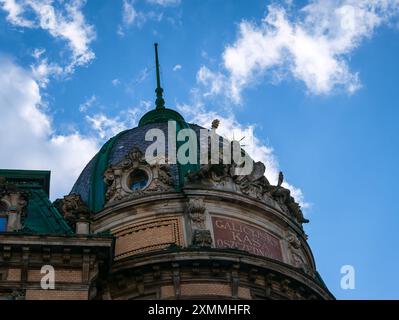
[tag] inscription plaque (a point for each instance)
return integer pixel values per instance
(234, 234)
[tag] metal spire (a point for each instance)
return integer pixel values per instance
(160, 102)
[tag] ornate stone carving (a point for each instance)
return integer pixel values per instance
(202, 238)
(117, 178)
(216, 174)
(215, 124)
(222, 176)
(14, 203)
(196, 212)
(73, 209)
(286, 201)
(195, 209)
(254, 185)
(298, 259)
(293, 240)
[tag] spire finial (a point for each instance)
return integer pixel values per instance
(160, 102)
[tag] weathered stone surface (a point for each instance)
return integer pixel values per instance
(117, 177)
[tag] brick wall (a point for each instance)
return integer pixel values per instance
(61, 276)
(204, 289)
(146, 237)
(14, 275)
(216, 289)
(56, 295)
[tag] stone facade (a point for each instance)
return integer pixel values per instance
(137, 230)
(218, 237)
(77, 263)
(192, 265)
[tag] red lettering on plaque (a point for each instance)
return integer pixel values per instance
(234, 234)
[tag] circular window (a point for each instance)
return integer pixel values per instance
(138, 180)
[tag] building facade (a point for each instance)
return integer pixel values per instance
(138, 229)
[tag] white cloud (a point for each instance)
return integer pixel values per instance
(145, 105)
(313, 46)
(213, 82)
(116, 82)
(42, 70)
(106, 127)
(230, 128)
(88, 103)
(131, 16)
(177, 67)
(63, 21)
(165, 3)
(29, 140)
(129, 13)
(138, 79)
(15, 11)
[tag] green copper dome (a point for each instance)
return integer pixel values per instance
(90, 184)
(161, 115)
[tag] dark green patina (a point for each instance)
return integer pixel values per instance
(97, 185)
(160, 114)
(41, 216)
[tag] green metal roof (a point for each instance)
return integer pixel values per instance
(161, 115)
(27, 179)
(97, 184)
(41, 216)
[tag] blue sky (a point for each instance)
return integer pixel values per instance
(312, 85)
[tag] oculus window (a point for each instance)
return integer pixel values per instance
(138, 180)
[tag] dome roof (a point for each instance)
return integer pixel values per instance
(90, 184)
